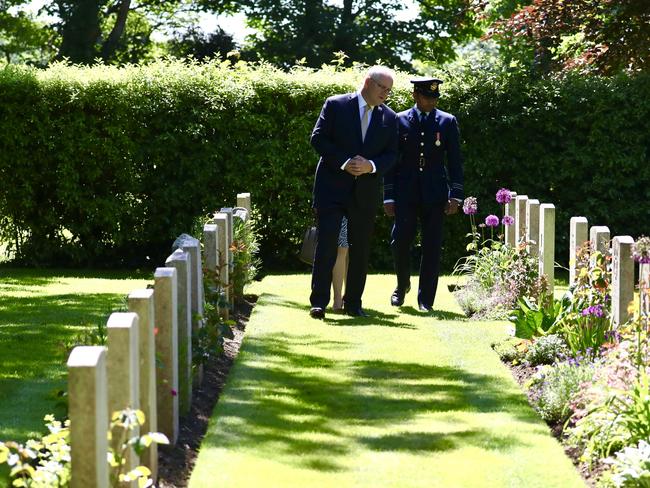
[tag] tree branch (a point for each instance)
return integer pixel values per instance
(110, 45)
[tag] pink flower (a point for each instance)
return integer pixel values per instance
(503, 196)
(508, 220)
(491, 220)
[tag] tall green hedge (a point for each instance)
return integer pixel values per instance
(106, 166)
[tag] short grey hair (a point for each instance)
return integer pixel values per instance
(380, 71)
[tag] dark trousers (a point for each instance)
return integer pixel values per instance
(431, 218)
(361, 222)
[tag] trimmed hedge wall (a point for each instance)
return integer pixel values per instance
(103, 166)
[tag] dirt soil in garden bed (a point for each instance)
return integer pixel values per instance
(175, 463)
(522, 373)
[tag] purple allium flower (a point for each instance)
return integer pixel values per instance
(491, 220)
(503, 196)
(508, 220)
(641, 250)
(470, 205)
(594, 310)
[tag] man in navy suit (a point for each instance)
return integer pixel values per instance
(356, 138)
(426, 184)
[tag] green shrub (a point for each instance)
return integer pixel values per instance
(510, 350)
(558, 387)
(631, 466)
(546, 350)
(245, 261)
(532, 319)
(105, 166)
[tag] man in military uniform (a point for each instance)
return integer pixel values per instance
(426, 184)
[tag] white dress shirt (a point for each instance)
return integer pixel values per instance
(362, 106)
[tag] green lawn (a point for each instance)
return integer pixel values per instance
(40, 310)
(396, 400)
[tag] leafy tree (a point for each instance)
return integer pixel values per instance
(22, 39)
(312, 30)
(200, 45)
(93, 29)
(602, 35)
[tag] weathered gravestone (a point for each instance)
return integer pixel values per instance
(532, 227)
(182, 261)
(123, 369)
(579, 234)
(88, 413)
(622, 279)
(547, 243)
(141, 302)
(166, 313)
(520, 218)
(511, 231)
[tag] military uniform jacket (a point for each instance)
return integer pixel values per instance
(430, 167)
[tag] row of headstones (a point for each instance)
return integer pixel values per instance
(534, 225)
(621, 252)
(147, 363)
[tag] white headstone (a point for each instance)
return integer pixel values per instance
(511, 231)
(123, 368)
(532, 226)
(141, 302)
(644, 289)
(547, 243)
(579, 234)
(244, 201)
(520, 217)
(622, 279)
(182, 261)
(88, 413)
(221, 221)
(166, 313)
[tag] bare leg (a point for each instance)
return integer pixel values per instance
(338, 276)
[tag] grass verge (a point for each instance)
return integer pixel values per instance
(396, 400)
(40, 311)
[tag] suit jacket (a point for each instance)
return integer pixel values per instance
(426, 173)
(337, 137)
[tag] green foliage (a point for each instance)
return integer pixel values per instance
(366, 32)
(123, 426)
(511, 350)
(631, 466)
(245, 250)
(101, 159)
(208, 342)
(534, 319)
(584, 322)
(498, 276)
(40, 463)
(622, 420)
(546, 350)
(559, 385)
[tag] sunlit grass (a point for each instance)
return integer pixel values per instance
(40, 311)
(399, 399)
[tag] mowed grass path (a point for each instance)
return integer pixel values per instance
(396, 400)
(39, 311)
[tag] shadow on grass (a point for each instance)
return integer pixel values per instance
(341, 319)
(33, 329)
(306, 407)
(435, 314)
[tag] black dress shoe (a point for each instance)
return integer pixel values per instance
(356, 312)
(317, 313)
(397, 298)
(425, 308)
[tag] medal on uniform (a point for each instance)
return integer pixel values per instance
(438, 139)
